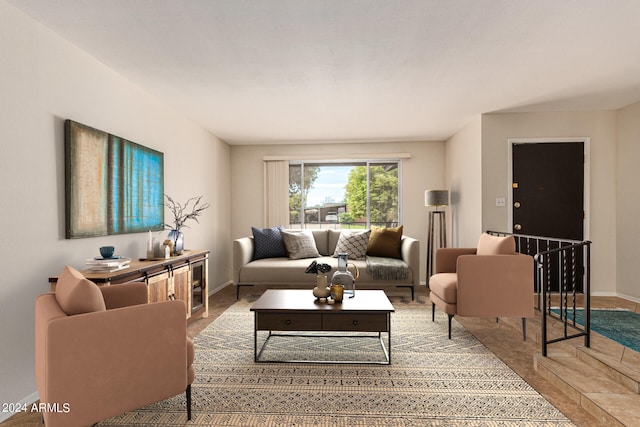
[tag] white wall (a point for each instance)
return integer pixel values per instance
(43, 81)
(600, 127)
(464, 181)
(425, 169)
(628, 202)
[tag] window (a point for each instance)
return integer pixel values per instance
(344, 195)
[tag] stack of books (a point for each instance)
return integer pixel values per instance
(108, 265)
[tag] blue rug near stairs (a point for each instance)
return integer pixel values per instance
(622, 326)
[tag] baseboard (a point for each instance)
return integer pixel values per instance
(220, 287)
(628, 297)
(604, 294)
(615, 294)
(25, 402)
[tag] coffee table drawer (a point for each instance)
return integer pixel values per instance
(288, 322)
(355, 322)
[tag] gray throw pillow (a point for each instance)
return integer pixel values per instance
(300, 244)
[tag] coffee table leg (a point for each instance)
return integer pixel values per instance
(255, 336)
(389, 335)
(256, 353)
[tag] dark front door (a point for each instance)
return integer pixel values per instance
(548, 201)
(548, 189)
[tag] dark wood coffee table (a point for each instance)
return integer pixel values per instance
(297, 310)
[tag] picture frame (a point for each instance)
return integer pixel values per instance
(112, 185)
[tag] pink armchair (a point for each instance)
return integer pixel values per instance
(103, 351)
(491, 280)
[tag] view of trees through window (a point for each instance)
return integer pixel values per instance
(343, 195)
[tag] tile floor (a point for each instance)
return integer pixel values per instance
(503, 339)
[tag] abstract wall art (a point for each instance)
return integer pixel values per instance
(112, 185)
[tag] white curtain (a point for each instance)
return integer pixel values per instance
(276, 193)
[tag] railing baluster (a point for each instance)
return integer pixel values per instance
(547, 289)
(559, 258)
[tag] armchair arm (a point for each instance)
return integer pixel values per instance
(106, 363)
(446, 258)
(495, 285)
(410, 250)
(242, 254)
(124, 295)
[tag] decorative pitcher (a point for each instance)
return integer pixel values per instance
(344, 277)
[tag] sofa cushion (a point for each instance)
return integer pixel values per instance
(333, 235)
(76, 295)
(495, 245)
(320, 237)
(268, 243)
(300, 244)
(282, 271)
(445, 286)
(385, 242)
(354, 244)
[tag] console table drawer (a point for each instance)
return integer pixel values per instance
(355, 322)
(288, 322)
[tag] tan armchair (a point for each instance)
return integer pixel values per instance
(103, 351)
(491, 280)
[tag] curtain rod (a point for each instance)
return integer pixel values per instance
(336, 156)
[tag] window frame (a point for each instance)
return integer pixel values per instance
(350, 162)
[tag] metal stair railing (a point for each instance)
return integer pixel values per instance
(562, 281)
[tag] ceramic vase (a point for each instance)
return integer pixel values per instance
(178, 241)
(321, 290)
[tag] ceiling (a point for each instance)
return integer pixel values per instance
(304, 71)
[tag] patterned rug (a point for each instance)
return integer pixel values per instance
(622, 326)
(432, 381)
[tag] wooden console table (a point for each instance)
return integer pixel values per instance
(182, 277)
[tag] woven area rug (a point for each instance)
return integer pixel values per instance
(432, 381)
(622, 326)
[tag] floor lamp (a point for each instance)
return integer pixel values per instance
(436, 237)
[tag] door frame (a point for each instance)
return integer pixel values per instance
(587, 176)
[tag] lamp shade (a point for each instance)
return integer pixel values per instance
(436, 198)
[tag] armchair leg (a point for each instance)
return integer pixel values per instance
(188, 395)
(433, 317)
(524, 329)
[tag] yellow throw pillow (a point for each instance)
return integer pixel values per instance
(385, 242)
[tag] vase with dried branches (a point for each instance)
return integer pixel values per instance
(182, 213)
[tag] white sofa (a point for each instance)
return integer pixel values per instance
(291, 272)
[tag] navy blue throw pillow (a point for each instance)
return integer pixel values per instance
(268, 243)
